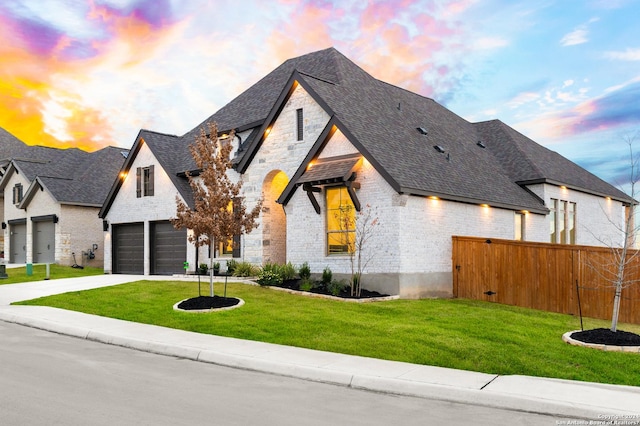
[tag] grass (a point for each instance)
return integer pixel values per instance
(458, 333)
(19, 275)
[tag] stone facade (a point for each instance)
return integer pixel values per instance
(128, 208)
(77, 228)
(410, 250)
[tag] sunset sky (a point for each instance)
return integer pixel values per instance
(91, 73)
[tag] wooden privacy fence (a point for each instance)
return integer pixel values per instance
(544, 276)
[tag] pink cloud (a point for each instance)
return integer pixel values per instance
(406, 49)
(615, 109)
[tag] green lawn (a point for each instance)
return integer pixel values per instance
(462, 334)
(19, 275)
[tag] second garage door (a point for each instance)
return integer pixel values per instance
(44, 237)
(168, 248)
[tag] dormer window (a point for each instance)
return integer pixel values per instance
(17, 193)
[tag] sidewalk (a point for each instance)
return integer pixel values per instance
(575, 400)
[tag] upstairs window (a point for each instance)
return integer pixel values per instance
(144, 181)
(299, 124)
(341, 221)
(17, 193)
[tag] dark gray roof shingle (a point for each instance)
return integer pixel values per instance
(71, 176)
(382, 120)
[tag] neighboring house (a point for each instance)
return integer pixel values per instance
(318, 138)
(51, 199)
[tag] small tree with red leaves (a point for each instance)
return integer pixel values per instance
(219, 212)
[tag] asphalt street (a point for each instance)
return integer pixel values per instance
(50, 379)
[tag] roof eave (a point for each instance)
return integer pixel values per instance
(133, 152)
(626, 199)
(469, 200)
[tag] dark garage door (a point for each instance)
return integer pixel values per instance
(168, 248)
(128, 248)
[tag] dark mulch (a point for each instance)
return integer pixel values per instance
(208, 302)
(604, 336)
(319, 288)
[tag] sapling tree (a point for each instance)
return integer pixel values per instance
(219, 212)
(620, 269)
(364, 224)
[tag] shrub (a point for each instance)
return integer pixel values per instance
(335, 287)
(231, 266)
(269, 278)
(245, 269)
(288, 271)
(305, 271)
(327, 276)
(271, 267)
(203, 269)
(306, 284)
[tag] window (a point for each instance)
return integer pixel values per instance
(563, 222)
(571, 222)
(300, 124)
(230, 247)
(341, 218)
(519, 226)
(144, 181)
(552, 220)
(17, 193)
(226, 248)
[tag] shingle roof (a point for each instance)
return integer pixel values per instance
(526, 161)
(10, 146)
(173, 154)
(71, 176)
(381, 120)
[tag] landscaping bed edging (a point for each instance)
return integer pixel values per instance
(567, 338)
(201, 311)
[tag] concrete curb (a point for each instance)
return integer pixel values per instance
(368, 374)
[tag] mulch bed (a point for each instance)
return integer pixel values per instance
(208, 302)
(604, 336)
(318, 288)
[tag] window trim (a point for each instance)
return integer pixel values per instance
(145, 181)
(346, 235)
(18, 193)
(563, 213)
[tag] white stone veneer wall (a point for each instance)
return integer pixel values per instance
(280, 151)
(127, 208)
(598, 220)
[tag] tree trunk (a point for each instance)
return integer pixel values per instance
(616, 306)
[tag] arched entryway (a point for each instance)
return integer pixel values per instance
(274, 221)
